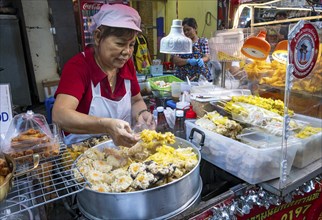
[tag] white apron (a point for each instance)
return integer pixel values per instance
(105, 108)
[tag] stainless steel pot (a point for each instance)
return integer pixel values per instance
(157, 203)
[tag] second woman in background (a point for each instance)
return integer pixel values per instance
(195, 64)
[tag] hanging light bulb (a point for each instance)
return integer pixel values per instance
(176, 42)
(280, 53)
(256, 47)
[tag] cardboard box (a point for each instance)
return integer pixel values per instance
(50, 87)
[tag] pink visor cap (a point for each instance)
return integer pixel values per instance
(116, 15)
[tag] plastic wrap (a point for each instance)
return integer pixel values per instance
(29, 133)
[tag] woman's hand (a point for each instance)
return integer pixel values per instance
(121, 133)
(146, 118)
(192, 61)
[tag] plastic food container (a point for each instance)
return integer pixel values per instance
(253, 165)
(30, 134)
(166, 79)
(309, 149)
(259, 139)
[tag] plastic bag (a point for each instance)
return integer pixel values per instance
(30, 133)
(260, 117)
(170, 116)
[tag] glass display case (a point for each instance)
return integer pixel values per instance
(295, 84)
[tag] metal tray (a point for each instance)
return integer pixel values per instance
(218, 95)
(47, 183)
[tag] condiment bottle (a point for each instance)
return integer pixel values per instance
(162, 124)
(190, 114)
(179, 129)
(182, 106)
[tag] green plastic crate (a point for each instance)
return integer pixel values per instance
(168, 79)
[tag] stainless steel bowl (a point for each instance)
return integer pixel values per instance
(156, 203)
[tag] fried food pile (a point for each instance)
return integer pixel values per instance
(269, 104)
(274, 74)
(4, 170)
(308, 131)
(33, 141)
(149, 163)
(75, 150)
(215, 122)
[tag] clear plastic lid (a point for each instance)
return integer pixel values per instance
(28, 121)
(179, 113)
(160, 108)
(29, 133)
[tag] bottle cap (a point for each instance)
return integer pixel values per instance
(179, 113)
(160, 109)
(182, 105)
(190, 113)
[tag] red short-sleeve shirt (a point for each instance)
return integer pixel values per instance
(80, 71)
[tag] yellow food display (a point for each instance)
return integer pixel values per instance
(307, 132)
(266, 73)
(276, 106)
(222, 56)
(273, 74)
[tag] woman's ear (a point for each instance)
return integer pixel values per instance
(97, 37)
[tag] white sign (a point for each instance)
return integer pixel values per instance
(5, 108)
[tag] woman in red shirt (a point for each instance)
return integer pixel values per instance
(98, 91)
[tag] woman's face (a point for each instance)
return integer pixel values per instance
(114, 52)
(189, 31)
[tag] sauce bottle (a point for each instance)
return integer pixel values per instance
(179, 129)
(162, 124)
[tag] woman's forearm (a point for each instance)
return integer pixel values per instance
(74, 122)
(178, 61)
(138, 105)
(65, 115)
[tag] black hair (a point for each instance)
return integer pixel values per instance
(191, 22)
(107, 31)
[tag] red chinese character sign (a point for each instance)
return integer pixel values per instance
(304, 49)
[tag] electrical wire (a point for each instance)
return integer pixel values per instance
(208, 17)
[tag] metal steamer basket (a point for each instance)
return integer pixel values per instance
(161, 202)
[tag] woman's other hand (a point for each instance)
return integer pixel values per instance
(147, 119)
(121, 133)
(192, 61)
(201, 62)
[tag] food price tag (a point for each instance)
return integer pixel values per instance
(5, 109)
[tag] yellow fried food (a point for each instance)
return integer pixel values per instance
(266, 103)
(226, 57)
(307, 132)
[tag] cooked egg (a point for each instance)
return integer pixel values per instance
(122, 183)
(94, 154)
(101, 187)
(136, 168)
(84, 161)
(178, 173)
(143, 180)
(102, 166)
(95, 176)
